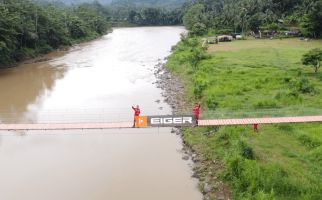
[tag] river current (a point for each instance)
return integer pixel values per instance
(96, 81)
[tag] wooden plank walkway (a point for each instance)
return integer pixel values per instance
(116, 125)
(265, 120)
(66, 126)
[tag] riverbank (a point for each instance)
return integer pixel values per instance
(175, 94)
(46, 28)
(53, 53)
(95, 82)
(281, 161)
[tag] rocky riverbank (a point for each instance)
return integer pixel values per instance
(205, 171)
(173, 89)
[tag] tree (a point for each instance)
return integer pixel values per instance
(193, 16)
(28, 28)
(313, 58)
(198, 28)
(311, 22)
(77, 27)
(245, 15)
(196, 52)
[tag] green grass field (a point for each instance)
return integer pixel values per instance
(250, 78)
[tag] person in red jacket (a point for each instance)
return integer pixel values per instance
(137, 112)
(196, 111)
(255, 127)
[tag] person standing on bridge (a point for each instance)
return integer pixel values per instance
(255, 127)
(137, 112)
(196, 111)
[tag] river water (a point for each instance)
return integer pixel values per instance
(96, 81)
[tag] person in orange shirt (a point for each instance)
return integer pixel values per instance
(137, 112)
(196, 112)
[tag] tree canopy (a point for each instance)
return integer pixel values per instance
(244, 15)
(27, 28)
(143, 15)
(313, 58)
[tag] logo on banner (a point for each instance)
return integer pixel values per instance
(171, 121)
(141, 121)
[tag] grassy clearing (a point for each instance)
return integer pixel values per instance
(255, 43)
(267, 77)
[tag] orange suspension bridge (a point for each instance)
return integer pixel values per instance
(159, 121)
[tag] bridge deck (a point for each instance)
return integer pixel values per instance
(65, 126)
(110, 125)
(266, 120)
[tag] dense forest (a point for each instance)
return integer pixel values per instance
(146, 12)
(150, 3)
(244, 15)
(135, 12)
(143, 16)
(120, 2)
(28, 29)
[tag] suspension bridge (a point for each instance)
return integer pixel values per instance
(159, 121)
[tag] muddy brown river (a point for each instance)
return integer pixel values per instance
(93, 82)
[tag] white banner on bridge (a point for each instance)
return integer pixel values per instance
(171, 120)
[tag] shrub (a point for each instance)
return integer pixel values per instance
(227, 135)
(285, 127)
(198, 29)
(266, 104)
(313, 58)
(316, 155)
(211, 102)
(261, 195)
(250, 178)
(19, 55)
(279, 95)
(245, 150)
(302, 85)
(235, 165)
(309, 142)
(45, 48)
(200, 83)
(305, 86)
(287, 79)
(288, 97)
(293, 93)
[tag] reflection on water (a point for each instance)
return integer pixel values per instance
(96, 81)
(25, 86)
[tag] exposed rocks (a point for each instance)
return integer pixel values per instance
(185, 157)
(173, 90)
(206, 188)
(204, 170)
(220, 196)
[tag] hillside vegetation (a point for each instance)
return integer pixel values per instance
(32, 27)
(28, 29)
(119, 2)
(243, 16)
(150, 3)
